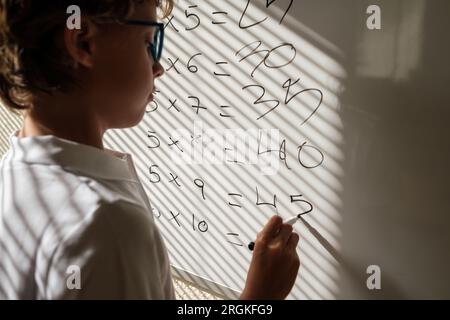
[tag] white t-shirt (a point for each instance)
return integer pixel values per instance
(75, 223)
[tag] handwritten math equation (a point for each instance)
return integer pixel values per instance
(233, 199)
(256, 53)
(232, 153)
(263, 58)
(218, 17)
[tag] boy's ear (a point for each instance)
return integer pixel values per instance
(81, 43)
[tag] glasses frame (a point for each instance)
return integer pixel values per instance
(156, 52)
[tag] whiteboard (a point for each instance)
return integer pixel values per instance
(287, 107)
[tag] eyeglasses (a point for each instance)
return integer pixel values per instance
(156, 46)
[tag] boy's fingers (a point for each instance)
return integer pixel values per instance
(272, 227)
(293, 241)
(285, 233)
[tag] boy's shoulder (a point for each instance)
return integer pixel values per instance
(54, 201)
(57, 171)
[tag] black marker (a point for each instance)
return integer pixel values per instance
(290, 221)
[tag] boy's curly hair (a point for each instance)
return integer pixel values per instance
(31, 58)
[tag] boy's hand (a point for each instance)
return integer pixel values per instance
(275, 262)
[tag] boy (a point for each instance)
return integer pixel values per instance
(69, 205)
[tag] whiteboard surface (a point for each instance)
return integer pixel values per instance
(363, 133)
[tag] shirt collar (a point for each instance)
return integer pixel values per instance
(72, 156)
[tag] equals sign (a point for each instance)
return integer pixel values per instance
(219, 12)
(225, 115)
(222, 74)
